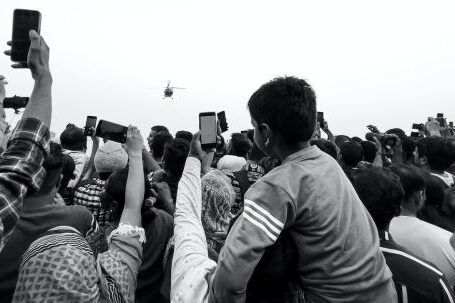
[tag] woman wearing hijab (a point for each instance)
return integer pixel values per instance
(60, 267)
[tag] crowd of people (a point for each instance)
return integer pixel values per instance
(273, 214)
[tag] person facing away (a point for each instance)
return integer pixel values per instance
(309, 197)
(423, 239)
(74, 144)
(39, 215)
(158, 227)
(381, 191)
(432, 154)
(60, 267)
(109, 158)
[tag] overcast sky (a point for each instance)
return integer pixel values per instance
(389, 63)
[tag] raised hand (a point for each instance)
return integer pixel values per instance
(134, 141)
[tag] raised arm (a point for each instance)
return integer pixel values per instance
(134, 194)
(21, 164)
(40, 103)
(118, 267)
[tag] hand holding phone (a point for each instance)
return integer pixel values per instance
(111, 131)
(90, 126)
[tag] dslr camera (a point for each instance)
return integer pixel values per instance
(385, 139)
(15, 103)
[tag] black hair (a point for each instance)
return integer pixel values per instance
(326, 146)
(67, 170)
(160, 128)
(437, 152)
(240, 145)
(357, 139)
(435, 191)
(351, 153)
(396, 131)
(53, 166)
(113, 197)
(340, 139)
(408, 146)
(73, 138)
(185, 135)
(381, 193)
(174, 156)
(411, 178)
(288, 106)
(369, 151)
(158, 143)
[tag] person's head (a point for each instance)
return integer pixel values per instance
(369, 151)
(218, 196)
(185, 135)
(432, 153)
(113, 197)
(340, 139)
(53, 166)
(109, 158)
(71, 263)
(73, 138)
(67, 170)
(326, 146)
(174, 157)
(351, 153)
(283, 113)
(357, 139)
(239, 145)
(159, 140)
(396, 131)
(413, 182)
(381, 193)
(155, 130)
(435, 191)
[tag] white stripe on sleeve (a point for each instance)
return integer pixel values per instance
(446, 290)
(272, 219)
(260, 225)
(270, 226)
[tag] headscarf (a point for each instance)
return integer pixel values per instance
(217, 197)
(59, 266)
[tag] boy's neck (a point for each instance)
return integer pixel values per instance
(285, 150)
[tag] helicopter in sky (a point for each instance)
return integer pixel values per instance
(169, 90)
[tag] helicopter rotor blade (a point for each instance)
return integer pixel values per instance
(173, 87)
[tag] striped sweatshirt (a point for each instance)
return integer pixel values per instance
(339, 259)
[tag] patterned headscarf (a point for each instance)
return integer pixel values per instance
(58, 267)
(217, 198)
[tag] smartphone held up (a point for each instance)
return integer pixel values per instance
(90, 125)
(111, 131)
(23, 22)
(208, 128)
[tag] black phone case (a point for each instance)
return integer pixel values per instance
(23, 22)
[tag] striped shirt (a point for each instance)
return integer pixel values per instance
(336, 240)
(416, 280)
(21, 171)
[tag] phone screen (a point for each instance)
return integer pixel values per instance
(23, 22)
(111, 131)
(91, 122)
(207, 125)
